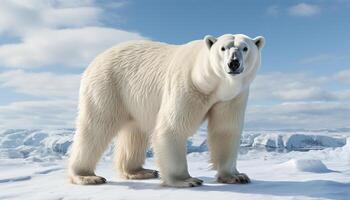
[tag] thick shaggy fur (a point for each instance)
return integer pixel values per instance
(144, 92)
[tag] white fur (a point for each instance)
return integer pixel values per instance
(143, 91)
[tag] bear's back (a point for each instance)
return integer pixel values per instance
(137, 72)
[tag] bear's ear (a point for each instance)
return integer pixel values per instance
(209, 40)
(259, 42)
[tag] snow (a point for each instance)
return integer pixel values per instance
(282, 165)
(306, 165)
(292, 141)
(345, 151)
(35, 144)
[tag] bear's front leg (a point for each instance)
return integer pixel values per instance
(225, 124)
(179, 116)
(170, 152)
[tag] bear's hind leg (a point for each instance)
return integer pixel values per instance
(90, 141)
(130, 153)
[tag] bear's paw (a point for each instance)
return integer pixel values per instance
(240, 178)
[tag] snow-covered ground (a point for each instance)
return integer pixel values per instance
(281, 164)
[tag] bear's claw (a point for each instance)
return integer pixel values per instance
(87, 180)
(143, 174)
(189, 182)
(234, 179)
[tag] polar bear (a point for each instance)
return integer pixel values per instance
(145, 92)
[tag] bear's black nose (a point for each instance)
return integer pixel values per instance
(234, 65)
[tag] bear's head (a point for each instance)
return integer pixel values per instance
(234, 55)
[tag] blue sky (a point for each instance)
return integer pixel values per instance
(304, 81)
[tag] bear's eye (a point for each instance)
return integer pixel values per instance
(222, 48)
(245, 49)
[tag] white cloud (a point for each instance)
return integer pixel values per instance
(20, 17)
(38, 114)
(61, 33)
(71, 3)
(71, 17)
(304, 9)
(300, 87)
(314, 115)
(343, 95)
(44, 84)
(55, 32)
(290, 87)
(68, 47)
(299, 100)
(310, 92)
(343, 76)
(59, 108)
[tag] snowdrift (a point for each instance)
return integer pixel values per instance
(297, 142)
(305, 165)
(35, 144)
(38, 145)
